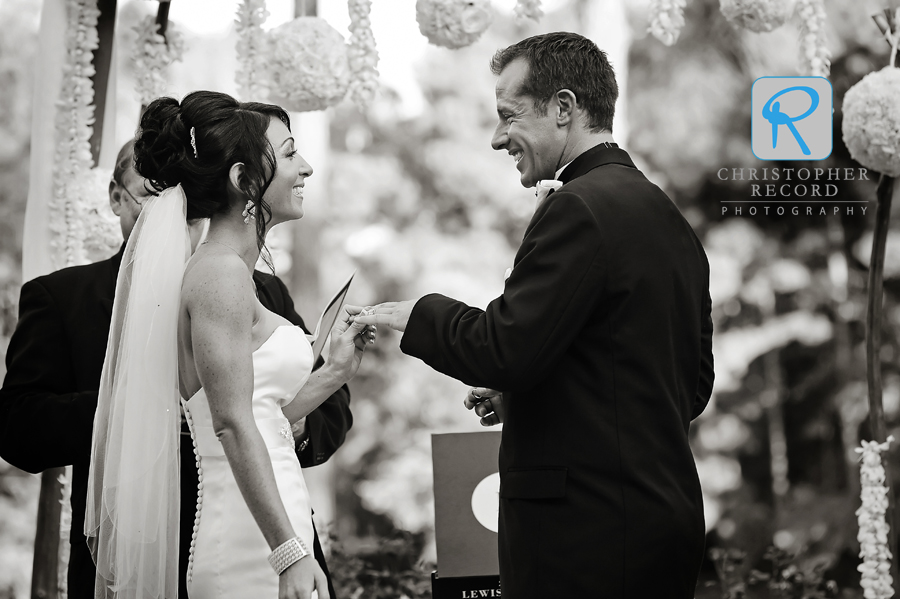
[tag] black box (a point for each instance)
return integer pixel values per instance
(465, 587)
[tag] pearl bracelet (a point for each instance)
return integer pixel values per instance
(287, 554)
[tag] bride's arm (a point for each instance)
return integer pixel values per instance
(344, 356)
(220, 305)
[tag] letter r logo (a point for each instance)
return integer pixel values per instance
(791, 118)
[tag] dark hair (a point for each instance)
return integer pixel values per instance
(225, 131)
(565, 60)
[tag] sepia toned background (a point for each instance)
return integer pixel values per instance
(410, 194)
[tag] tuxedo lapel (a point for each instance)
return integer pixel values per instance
(597, 156)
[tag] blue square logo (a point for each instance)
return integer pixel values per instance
(792, 118)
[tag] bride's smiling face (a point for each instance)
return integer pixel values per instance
(285, 193)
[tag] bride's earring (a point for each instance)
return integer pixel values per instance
(249, 212)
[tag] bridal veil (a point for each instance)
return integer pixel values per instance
(131, 519)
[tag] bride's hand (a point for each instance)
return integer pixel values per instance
(301, 578)
(348, 340)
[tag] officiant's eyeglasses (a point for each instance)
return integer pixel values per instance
(132, 196)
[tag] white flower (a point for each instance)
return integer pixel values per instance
(528, 9)
(666, 20)
(251, 41)
(871, 126)
(875, 568)
(151, 54)
(363, 54)
(308, 64)
(453, 23)
(74, 116)
(757, 15)
(815, 57)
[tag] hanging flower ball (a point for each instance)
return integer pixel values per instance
(528, 9)
(666, 20)
(871, 127)
(308, 65)
(757, 15)
(453, 23)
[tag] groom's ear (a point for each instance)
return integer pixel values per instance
(565, 107)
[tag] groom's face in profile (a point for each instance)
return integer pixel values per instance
(533, 139)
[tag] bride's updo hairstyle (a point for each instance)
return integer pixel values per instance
(225, 132)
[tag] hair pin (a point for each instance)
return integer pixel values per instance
(194, 141)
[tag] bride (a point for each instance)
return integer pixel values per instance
(193, 326)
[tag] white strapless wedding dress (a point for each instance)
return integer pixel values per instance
(228, 551)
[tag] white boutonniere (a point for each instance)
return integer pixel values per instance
(544, 188)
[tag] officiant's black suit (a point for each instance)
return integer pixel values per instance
(49, 395)
(601, 343)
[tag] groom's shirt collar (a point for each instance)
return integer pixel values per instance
(604, 153)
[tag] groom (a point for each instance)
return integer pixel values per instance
(601, 345)
(55, 357)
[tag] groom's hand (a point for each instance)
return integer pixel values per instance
(487, 403)
(392, 314)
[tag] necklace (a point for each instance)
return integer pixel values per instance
(220, 243)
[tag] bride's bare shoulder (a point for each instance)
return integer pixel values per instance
(216, 280)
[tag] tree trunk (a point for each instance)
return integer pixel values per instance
(45, 575)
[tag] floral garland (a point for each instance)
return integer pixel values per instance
(666, 20)
(309, 66)
(528, 9)
(876, 581)
(74, 119)
(251, 39)
(757, 15)
(453, 23)
(152, 53)
(363, 54)
(815, 57)
(871, 125)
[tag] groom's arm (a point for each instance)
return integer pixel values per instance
(557, 280)
(707, 373)
(327, 425)
(43, 424)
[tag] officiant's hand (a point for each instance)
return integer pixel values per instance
(392, 314)
(487, 403)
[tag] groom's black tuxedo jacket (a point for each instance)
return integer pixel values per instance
(49, 395)
(602, 345)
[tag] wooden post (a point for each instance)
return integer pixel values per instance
(106, 29)
(45, 575)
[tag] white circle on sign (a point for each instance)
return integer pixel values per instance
(486, 502)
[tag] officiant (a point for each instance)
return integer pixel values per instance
(54, 360)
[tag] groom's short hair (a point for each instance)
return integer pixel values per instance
(564, 60)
